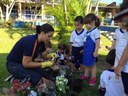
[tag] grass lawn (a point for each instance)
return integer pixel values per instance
(9, 37)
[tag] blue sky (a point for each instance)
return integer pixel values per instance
(110, 1)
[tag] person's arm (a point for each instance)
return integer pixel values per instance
(114, 42)
(28, 63)
(114, 38)
(122, 61)
(113, 45)
(71, 38)
(71, 42)
(45, 53)
(97, 47)
(96, 35)
(70, 50)
(124, 57)
(102, 89)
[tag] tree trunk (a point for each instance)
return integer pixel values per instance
(19, 11)
(90, 9)
(7, 15)
(1, 14)
(88, 6)
(96, 10)
(65, 12)
(42, 12)
(9, 10)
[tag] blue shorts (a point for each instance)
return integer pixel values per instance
(76, 54)
(77, 60)
(125, 81)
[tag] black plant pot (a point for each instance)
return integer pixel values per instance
(51, 75)
(76, 85)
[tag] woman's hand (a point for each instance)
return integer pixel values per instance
(48, 50)
(46, 64)
(95, 54)
(38, 59)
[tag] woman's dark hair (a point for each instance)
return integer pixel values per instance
(90, 18)
(38, 29)
(79, 19)
(45, 28)
(110, 58)
(48, 44)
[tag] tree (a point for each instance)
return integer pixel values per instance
(65, 13)
(97, 4)
(35, 7)
(88, 9)
(8, 5)
(1, 13)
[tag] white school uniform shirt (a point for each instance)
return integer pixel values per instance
(93, 33)
(121, 37)
(77, 39)
(61, 56)
(113, 86)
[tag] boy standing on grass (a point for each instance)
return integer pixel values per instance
(77, 42)
(109, 85)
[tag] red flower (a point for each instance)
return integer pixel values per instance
(20, 86)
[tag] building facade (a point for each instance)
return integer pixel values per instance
(29, 10)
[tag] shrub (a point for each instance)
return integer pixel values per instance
(7, 24)
(27, 25)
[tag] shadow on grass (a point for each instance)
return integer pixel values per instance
(102, 64)
(3, 71)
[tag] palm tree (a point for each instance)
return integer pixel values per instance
(65, 14)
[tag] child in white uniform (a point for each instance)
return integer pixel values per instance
(120, 42)
(120, 38)
(62, 54)
(109, 85)
(91, 47)
(122, 17)
(77, 41)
